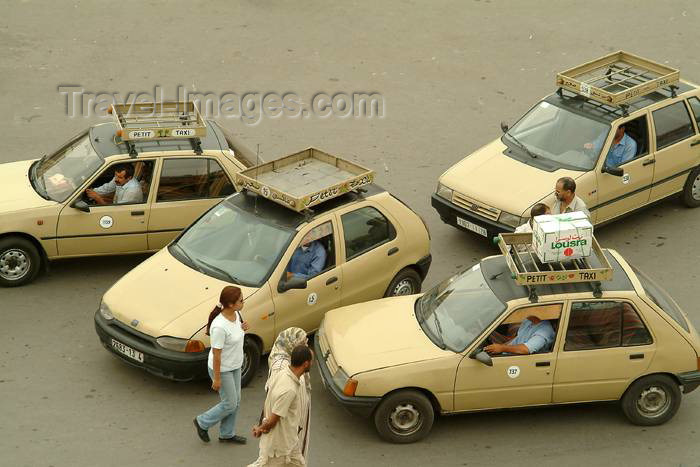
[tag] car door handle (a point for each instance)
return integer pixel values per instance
(636, 356)
(695, 143)
(393, 250)
(648, 162)
(331, 280)
(542, 364)
(138, 213)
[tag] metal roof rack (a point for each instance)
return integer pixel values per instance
(618, 78)
(528, 271)
(152, 121)
(304, 179)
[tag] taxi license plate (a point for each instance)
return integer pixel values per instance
(472, 226)
(128, 351)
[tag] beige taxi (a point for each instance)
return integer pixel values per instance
(45, 213)
(572, 133)
(618, 337)
(155, 316)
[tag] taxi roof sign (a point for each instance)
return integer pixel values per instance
(148, 121)
(617, 78)
(304, 179)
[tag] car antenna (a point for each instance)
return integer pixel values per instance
(257, 167)
(495, 276)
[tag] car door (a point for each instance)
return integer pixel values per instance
(618, 195)
(112, 228)
(369, 247)
(305, 308)
(676, 148)
(607, 345)
(187, 187)
(513, 380)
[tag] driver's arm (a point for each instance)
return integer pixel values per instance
(519, 349)
(106, 188)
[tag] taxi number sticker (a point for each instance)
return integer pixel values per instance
(312, 299)
(106, 222)
(513, 371)
(625, 179)
(586, 89)
(265, 191)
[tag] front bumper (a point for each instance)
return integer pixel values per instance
(177, 366)
(689, 380)
(363, 406)
(449, 213)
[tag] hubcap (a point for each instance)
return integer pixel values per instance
(405, 420)
(653, 401)
(696, 188)
(14, 264)
(405, 287)
(245, 368)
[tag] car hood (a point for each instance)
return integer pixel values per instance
(163, 297)
(16, 192)
(490, 177)
(378, 334)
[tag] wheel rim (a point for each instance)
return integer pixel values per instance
(405, 420)
(404, 287)
(653, 401)
(696, 188)
(14, 264)
(245, 368)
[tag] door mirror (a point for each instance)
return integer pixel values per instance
(293, 283)
(482, 357)
(81, 205)
(616, 171)
(504, 127)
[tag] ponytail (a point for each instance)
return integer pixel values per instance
(229, 296)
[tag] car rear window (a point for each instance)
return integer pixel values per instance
(662, 299)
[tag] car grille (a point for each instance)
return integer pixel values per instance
(472, 205)
(325, 350)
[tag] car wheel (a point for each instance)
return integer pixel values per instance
(251, 360)
(404, 417)
(406, 282)
(20, 261)
(691, 190)
(652, 400)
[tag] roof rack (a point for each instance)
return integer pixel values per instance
(528, 271)
(304, 179)
(152, 121)
(618, 78)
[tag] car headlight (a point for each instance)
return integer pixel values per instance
(509, 219)
(105, 312)
(344, 382)
(444, 192)
(180, 345)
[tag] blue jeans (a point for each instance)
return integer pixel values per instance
(226, 410)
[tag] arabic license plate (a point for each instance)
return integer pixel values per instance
(472, 226)
(128, 351)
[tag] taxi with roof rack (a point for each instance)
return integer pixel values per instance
(178, 165)
(604, 332)
(576, 132)
(370, 245)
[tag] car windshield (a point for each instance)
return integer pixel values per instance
(562, 137)
(456, 311)
(57, 176)
(233, 245)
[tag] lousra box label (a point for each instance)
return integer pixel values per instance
(562, 237)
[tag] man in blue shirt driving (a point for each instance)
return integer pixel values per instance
(622, 149)
(534, 336)
(307, 261)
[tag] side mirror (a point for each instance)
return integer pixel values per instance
(293, 283)
(81, 205)
(482, 357)
(504, 127)
(616, 171)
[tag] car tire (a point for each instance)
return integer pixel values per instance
(251, 360)
(406, 282)
(404, 417)
(652, 400)
(691, 189)
(20, 261)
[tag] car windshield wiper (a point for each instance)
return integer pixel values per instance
(439, 329)
(34, 181)
(521, 145)
(231, 277)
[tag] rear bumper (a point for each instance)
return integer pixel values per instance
(689, 380)
(449, 213)
(363, 406)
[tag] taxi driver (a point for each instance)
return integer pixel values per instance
(125, 187)
(534, 336)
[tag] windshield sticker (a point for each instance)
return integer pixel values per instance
(625, 178)
(312, 299)
(544, 105)
(513, 371)
(106, 222)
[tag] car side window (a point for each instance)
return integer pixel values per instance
(695, 105)
(638, 130)
(131, 187)
(509, 332)
(364, 229)
(315, 253)
(604, 324)
(192, 178)
(672, 124)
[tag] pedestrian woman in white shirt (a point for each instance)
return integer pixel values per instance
(226, 328)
